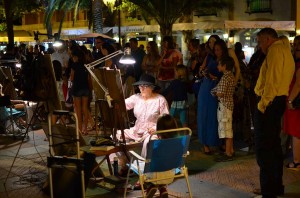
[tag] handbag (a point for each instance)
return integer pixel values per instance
(296, 102)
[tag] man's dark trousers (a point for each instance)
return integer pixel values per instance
(269, 157)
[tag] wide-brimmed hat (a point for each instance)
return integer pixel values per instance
(146, 79)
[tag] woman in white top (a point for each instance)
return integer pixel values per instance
(147, 107)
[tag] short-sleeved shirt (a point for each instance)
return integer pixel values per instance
(146, 112)
(226, 86)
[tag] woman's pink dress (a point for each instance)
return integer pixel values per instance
(146, 112)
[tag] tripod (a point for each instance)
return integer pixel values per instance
(25, 136)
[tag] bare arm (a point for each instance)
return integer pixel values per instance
(236, 64)
(295, 90)
(144, 63)
(72, 75)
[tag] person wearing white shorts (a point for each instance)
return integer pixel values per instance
(224, 91)
(224, 122)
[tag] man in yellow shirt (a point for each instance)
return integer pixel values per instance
(272, 88)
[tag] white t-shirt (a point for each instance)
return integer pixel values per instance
(62, 57)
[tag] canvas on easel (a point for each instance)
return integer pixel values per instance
(53, 101)
(111, 79)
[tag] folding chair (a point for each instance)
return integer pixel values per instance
(10, 117)
(165, 154)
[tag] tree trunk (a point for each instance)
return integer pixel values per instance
(49, 29)
(187, 34)
(9, 21)
(97, 16)
(61, 23)
(166, 29)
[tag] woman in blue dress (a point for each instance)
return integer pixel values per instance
(207, 104)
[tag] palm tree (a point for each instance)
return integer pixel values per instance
(97, 16)
(9, 20)
(62, 6)
(94, 7)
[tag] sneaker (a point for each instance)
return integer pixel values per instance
(163, 192)
(150, 192)
(224, 158)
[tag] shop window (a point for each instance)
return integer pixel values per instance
(259, 6)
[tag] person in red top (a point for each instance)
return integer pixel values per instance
(291, 115)
(169, 60)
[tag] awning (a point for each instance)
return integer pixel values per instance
(176, 27)
(18, 33)
(128, 29)
(277, 25)
(209, 25)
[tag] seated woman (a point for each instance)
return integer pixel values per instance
(147, 106)
(17, 111)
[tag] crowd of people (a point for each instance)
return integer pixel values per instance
(231, 95)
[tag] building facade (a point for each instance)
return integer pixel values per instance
(252, 14)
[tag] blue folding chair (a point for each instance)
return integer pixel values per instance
(164, 155)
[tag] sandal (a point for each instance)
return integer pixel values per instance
(163, 192)
(293, 166)
(151, 190)
(137, 186)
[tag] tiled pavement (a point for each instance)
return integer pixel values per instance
(235, 179)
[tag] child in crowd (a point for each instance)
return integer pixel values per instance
(178, 92)
(224, 91)
(164, 122)
(129, 79)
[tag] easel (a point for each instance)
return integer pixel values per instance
(117, 115)
(110, 101)
(51, 104)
